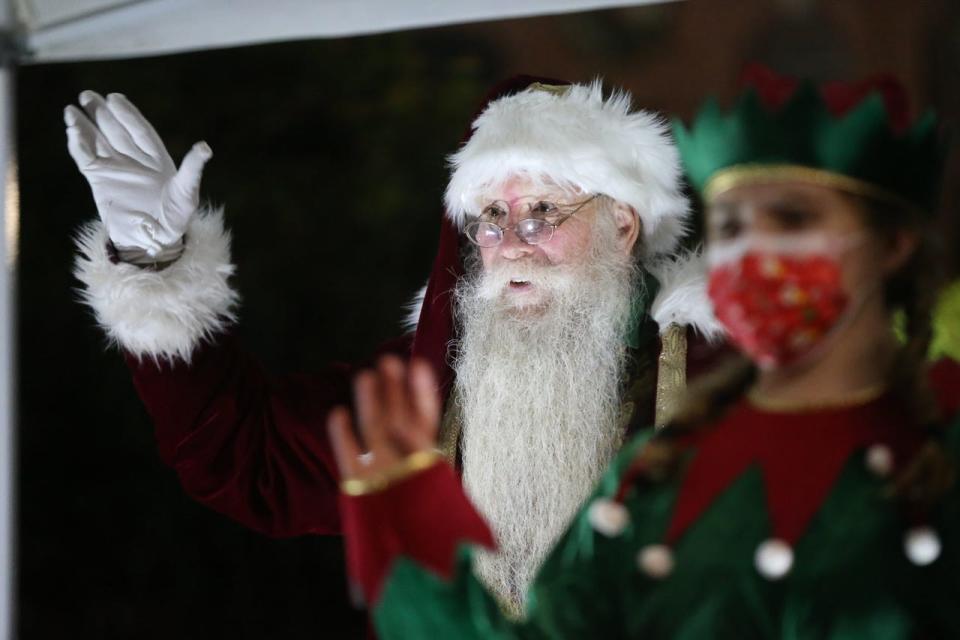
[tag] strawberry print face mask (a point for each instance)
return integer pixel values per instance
(778, 298)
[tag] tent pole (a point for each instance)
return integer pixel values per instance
(9, 219)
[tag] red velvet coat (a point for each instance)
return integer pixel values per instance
(244, 443)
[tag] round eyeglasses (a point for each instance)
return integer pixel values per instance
(540, 221)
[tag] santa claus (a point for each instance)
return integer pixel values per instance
(556, 316)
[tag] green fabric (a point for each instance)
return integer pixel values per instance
(641, 328)
(850, 581)
(860, 144)
(414, 603)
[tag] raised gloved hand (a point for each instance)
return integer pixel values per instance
(144, 201)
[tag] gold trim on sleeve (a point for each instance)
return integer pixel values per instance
(414, 463)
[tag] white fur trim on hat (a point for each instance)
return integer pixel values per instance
(161, 314)
(573, 136)
(682, 298)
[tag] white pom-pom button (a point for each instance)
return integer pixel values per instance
(773, 559)
(922, 545)
(608, 517)
(880, 460)
(656, 560)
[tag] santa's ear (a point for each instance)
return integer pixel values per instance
(628, 226)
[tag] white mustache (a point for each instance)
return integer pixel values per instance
(547, 278)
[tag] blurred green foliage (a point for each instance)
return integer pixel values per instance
(946, 324)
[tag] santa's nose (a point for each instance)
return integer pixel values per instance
(513, 248)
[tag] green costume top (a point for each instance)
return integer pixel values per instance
(695, 558)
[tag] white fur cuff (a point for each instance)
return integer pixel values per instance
(161, 314)
(682, 298)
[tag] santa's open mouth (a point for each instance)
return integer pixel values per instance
(520, 285)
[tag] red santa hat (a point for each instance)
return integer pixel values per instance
(573, 135)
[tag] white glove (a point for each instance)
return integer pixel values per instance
(143, 200)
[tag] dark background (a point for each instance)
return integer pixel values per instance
(329, 156)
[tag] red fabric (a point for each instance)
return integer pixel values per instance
(435, 329)
(945, 381)
(774, 89)
(424, 517)
(840, 97)
(251, 446)
(800, 456)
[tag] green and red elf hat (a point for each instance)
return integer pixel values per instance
(855, 137)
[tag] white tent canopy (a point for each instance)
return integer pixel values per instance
(38, 31)
(70, 30)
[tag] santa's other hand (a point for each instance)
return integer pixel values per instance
(143, 199)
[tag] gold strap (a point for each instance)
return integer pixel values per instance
(671, 373)
(415, 462)
(451, 427)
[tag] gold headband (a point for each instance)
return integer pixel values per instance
(740, 174)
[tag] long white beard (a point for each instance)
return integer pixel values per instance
(541, 397)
